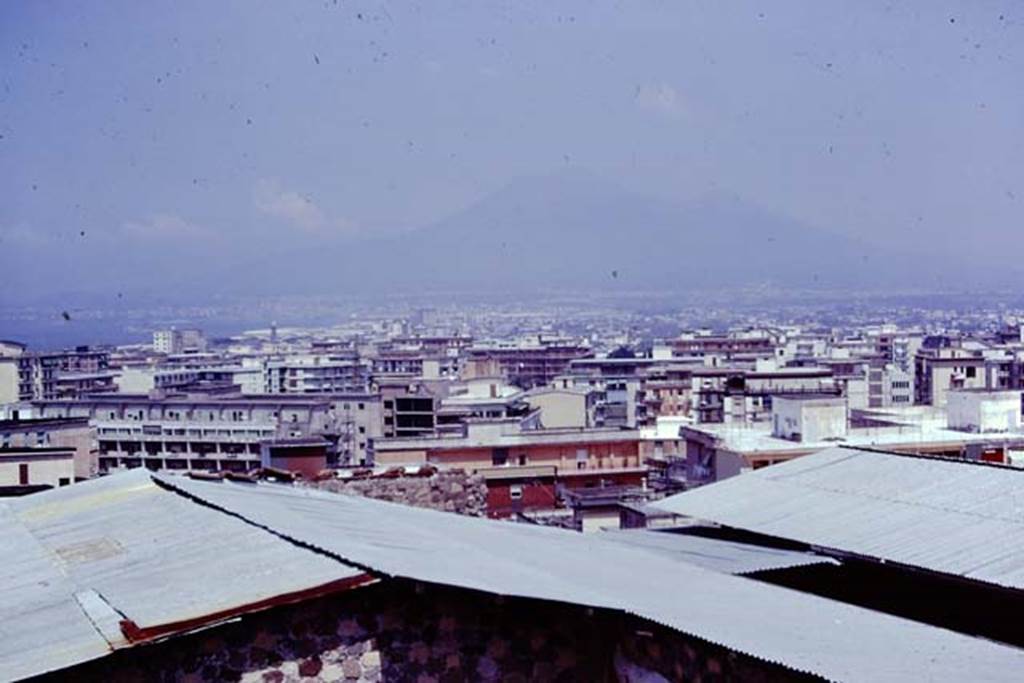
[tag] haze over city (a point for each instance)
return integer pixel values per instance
(185, 150)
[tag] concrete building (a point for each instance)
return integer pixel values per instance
(316, 374)
(175, 379)
(715, 452)
(938, 370)
(9, 381)
(751, 344)
(174, 341)
(527, 363)
(483, 398)
(63, 374)
(359, 419)
(67, 433)
(306, 457)
(984, 411)
(741, 395)
(809, 418)
(564, 407)
(27, 470)
(194, 433)
(525, 468)
(409, 407)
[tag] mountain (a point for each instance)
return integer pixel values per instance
(578, 231)
(572, 231)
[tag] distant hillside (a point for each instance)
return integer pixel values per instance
(578, 231)
(573, 231)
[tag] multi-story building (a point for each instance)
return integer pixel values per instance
(981, 428)
(751, 344)
(525, 363)
(62, 374)
(409, 407)
(316, 374)
(71, 433)
(937, 370)
(199, 433)
(174, 341)
(359, 419)
(739, 395)
(526, 468)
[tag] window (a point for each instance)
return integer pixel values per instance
(64, 481)
(23, 474)
(499, 457)
(362, 430)
(362, 406)
(515, 492)
(972, 372)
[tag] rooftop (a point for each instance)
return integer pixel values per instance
(951, 516)
(43, 423)
(492, 439)
(893, 427)
(112, 563)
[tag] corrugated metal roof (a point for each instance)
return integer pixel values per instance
(42, 628)
(947, 516)
(153, 556)
(803, 632)
(729, 557)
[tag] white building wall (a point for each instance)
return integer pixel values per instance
(8, 381)
(41, 470)
(983, 412)
(561, 409)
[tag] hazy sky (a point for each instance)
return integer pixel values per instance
(154, 128)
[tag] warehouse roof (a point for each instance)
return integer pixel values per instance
(104, 564)
(951, 516)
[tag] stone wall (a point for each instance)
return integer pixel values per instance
(401, 631)
(447, 490)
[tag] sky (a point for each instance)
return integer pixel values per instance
(140, 138)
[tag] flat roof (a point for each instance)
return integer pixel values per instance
(758, 438)
(43, 422)
(526, 438)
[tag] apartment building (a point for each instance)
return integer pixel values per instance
(31, 376)
(199, 433)
(526, 363)
(314, 374)
(174, 341)
(526, 468)
(67, 433)
(741, 395)
(937, 370)
(749, 344)
(409, 407)
(981, 427)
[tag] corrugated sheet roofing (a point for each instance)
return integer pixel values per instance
(160, 549)
(155, 557)
(728, 557)
(947, 516)
(807, 633)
